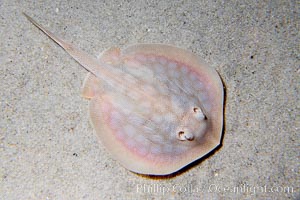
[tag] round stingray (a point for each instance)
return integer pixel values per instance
(156, 108)
(159, 109)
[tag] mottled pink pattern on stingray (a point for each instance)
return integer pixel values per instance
(169, 115)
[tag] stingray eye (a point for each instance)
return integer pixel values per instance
(198, 113)
(184, 135)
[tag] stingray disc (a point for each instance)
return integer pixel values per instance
(162, 110)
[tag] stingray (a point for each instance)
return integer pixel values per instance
(155, 107)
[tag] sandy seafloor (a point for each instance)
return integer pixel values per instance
(48, 148)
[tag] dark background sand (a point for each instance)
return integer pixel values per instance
(48, 149)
